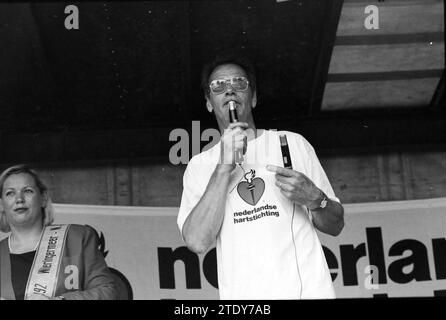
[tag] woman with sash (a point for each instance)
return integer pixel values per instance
(42, 261)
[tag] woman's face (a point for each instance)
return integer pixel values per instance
(22, 200)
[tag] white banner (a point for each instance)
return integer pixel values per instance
(396, 249)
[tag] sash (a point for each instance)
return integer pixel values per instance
(45, 269)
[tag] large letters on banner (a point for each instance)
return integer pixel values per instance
(394, 249)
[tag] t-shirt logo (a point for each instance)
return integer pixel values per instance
(252, 189)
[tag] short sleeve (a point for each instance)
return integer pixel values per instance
(193, 190)
(317, 174)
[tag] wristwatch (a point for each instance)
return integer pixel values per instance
(323, 203)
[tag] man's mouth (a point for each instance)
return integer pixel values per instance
(21, 210)
(227, 103)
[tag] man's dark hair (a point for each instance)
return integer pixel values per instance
(229, 58)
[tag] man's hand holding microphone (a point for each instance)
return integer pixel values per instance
(234, 141)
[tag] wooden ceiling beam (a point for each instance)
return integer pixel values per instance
(438, 100)
(328, 39)
(334, 131)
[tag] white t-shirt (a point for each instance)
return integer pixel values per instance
(267, 247)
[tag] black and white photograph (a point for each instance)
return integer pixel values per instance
(222, 150)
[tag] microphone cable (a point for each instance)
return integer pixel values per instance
(287, 163)
(295, 252)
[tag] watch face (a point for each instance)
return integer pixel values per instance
(324, 203)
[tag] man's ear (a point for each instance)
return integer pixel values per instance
(254, 99)
(209, 105)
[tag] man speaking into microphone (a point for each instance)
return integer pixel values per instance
(257, 206)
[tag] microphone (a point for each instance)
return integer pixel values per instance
(285, 152)
(233, 117)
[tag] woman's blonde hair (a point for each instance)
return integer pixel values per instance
(48, 211)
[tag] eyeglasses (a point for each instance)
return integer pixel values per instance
(219, 86)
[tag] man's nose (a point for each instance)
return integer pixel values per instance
(229, 89)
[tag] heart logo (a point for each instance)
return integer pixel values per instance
(251, 192)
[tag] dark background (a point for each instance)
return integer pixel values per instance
(116, 87)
